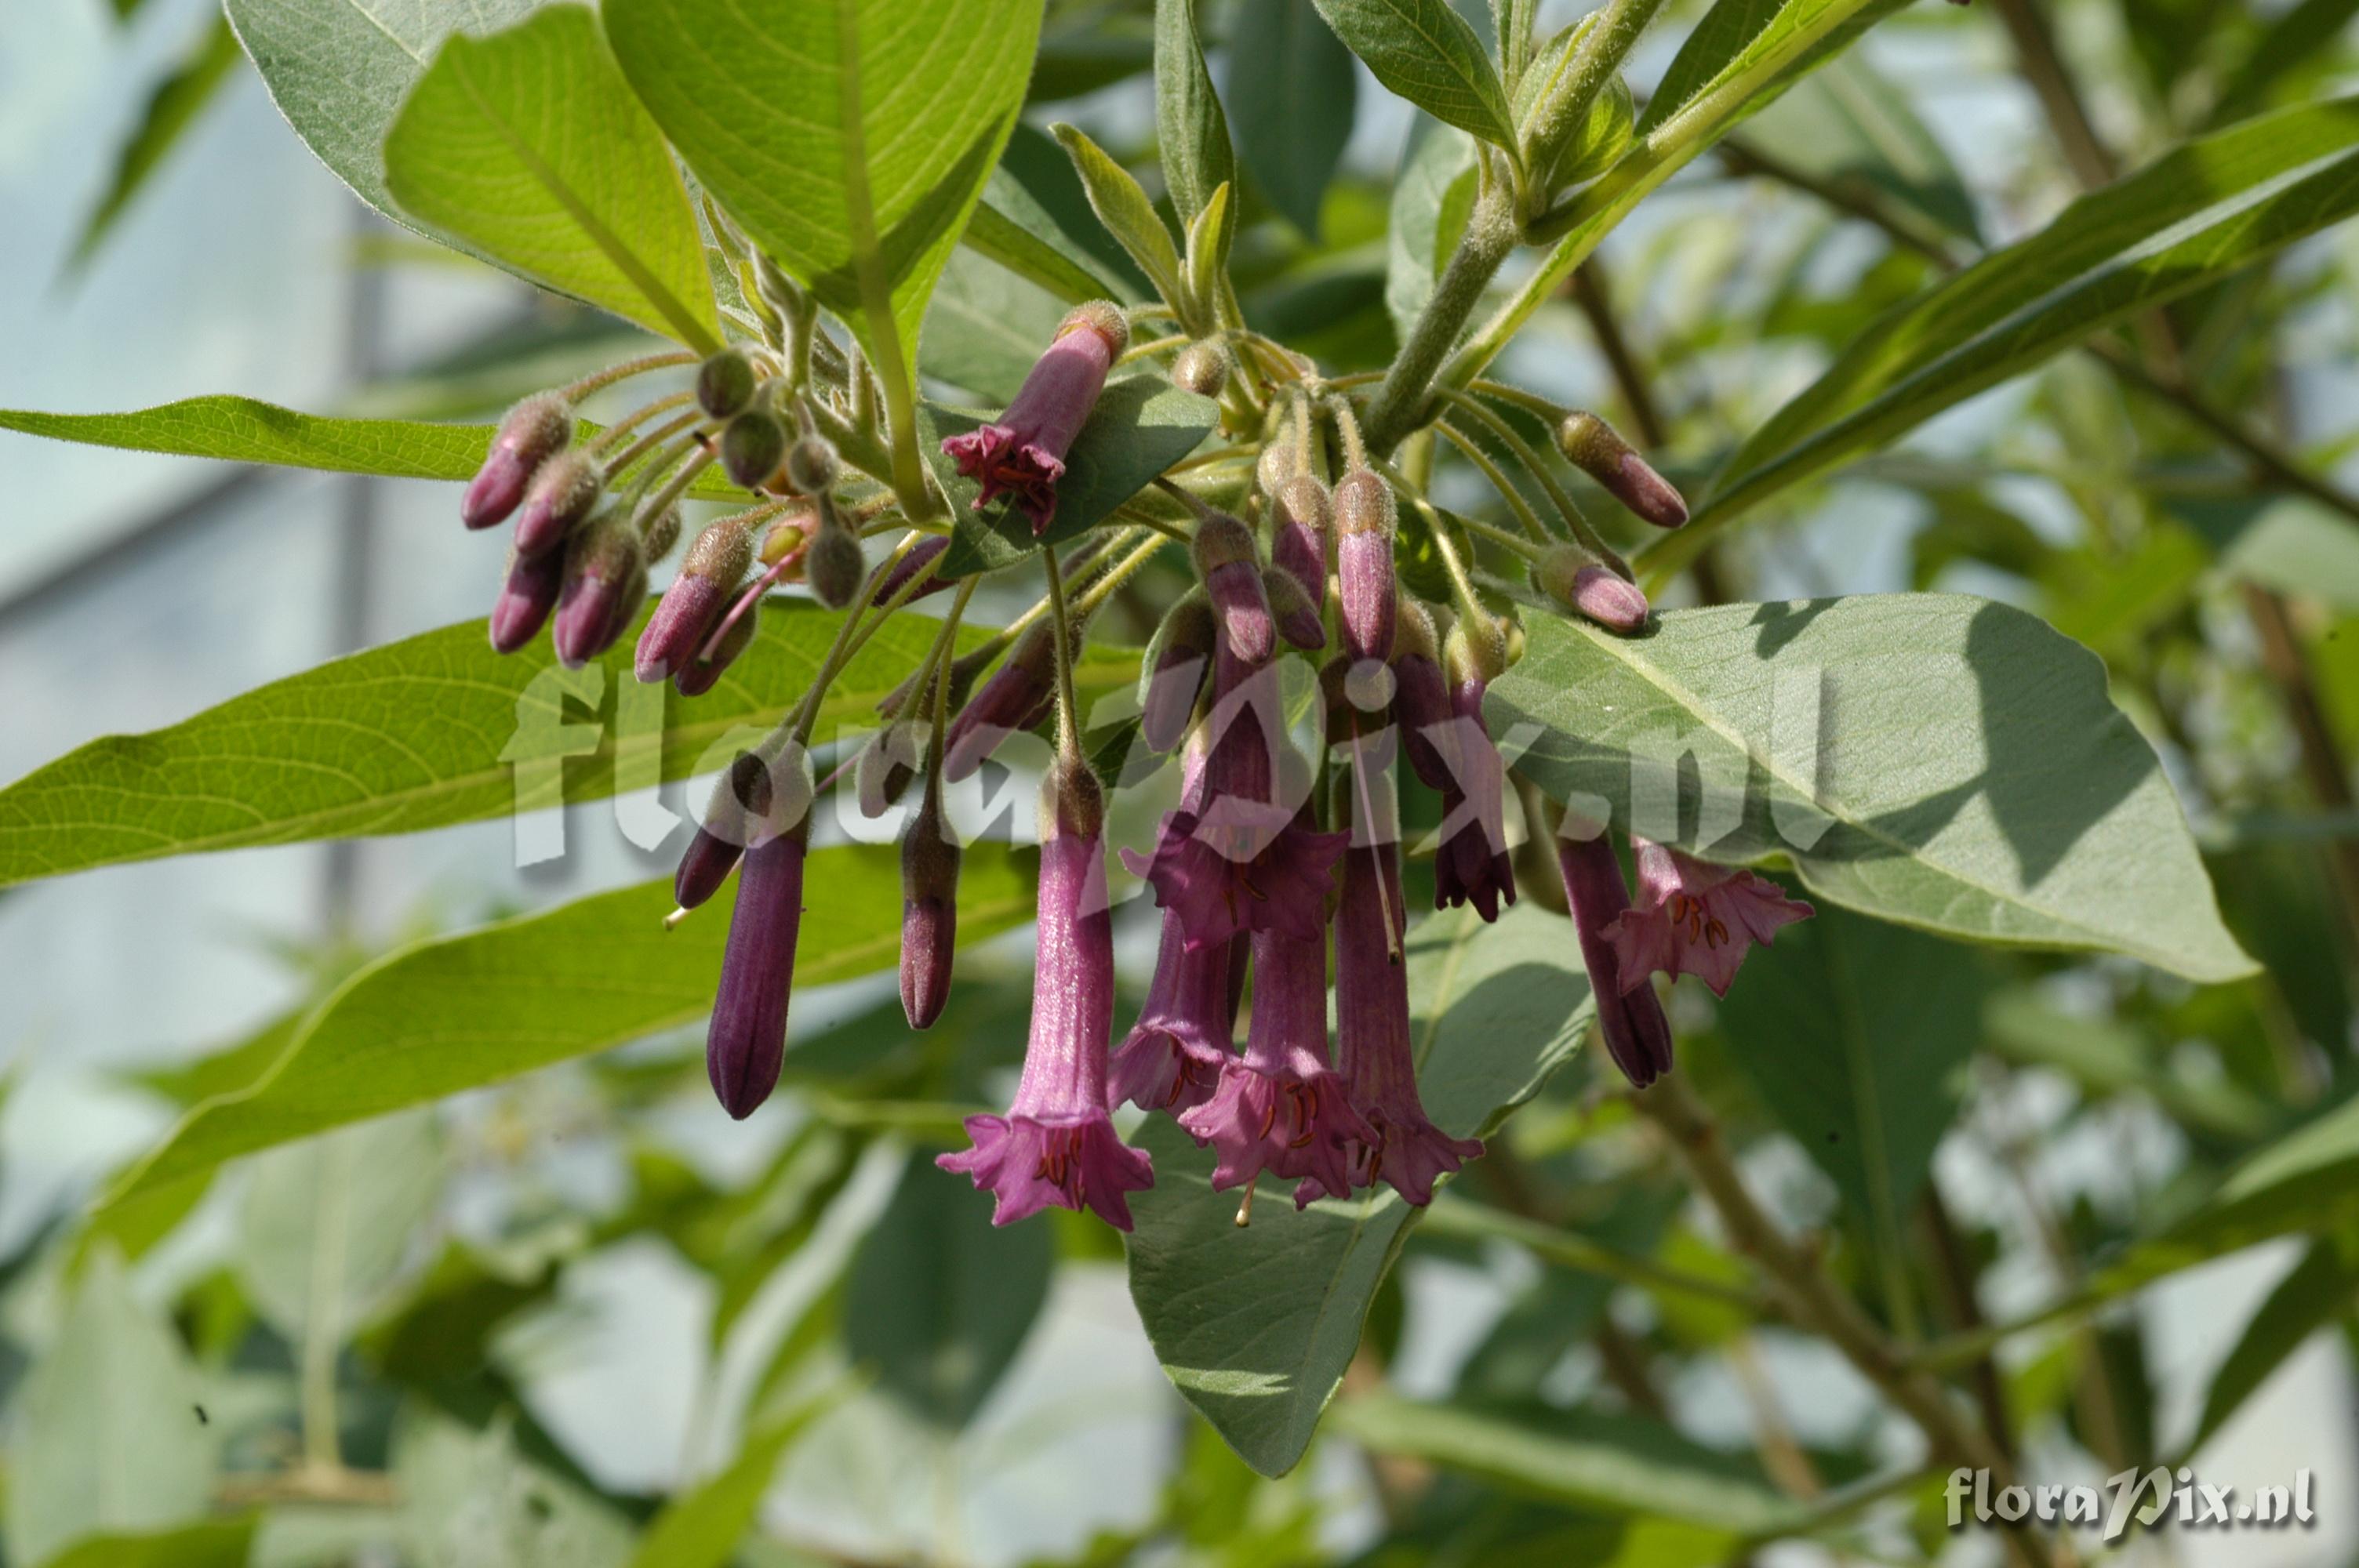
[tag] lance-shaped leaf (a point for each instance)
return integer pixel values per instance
(1192, 132)
(456, 1012)
(529, 146)
(2201, 212)
(1122, 208)
(1295, 93)
(177, 105)
(849, 137)
(1933, 759)
(1428, 53)
(1254, 1325)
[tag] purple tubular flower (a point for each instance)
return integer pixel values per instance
(1018, 696)
(1421, 698)
(1230, 571)
(564, 492)
(1171, 1059)
(1171, 676)
(1472, 865)
(1022, 452)
(1695, 918)
(1364, 565)
(920, 555)
(1057, 1144)
(741, 799)
(1638, 1036)
(533, 432)
(930, 873)
(694, 602)
(524, 601)
(1599, 451)
(1244, 861)
(605, 579)
(747, 1040)
(1378, 1062)
(1298, 547)
(1281, 1107)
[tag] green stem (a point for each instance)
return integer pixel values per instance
(1061, 635)
(1498, 479)
(598, 380)
(1402, 401)
(1565, 103)
(1454, 1216)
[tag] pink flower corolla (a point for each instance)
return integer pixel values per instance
(1695, 918)
(1022, 453)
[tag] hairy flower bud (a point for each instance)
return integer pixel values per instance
(702, 672)
(533, 432)
(753, 445)
(725, 383)
(1567, 575)
(1231, 571)
(1276, 467)
(1204, 368)
(917, 558)
(661, 533)
(1365, 520)
(1017, 696)
(597, 602)
(836, 565)
(696, 601)
(1298, 543)
(561, 495)
(790, 535)
(740, 799)
(1171, 676)
(1599, 451)
(930, 876)
(746, 1043)
(1290, 609)
(525, 600)
(812, 464)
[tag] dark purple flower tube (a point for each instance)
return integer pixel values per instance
(1364, 565)
(1695, 918)
(605, 579)
(1291, 610)
(1429, 724)
(1022, 453)
(930, 875)
(1171, 1059)
(1304, 518)
(1172, 675)
(747, 1040)
(1379, 1062)
(703, 672)
(1281, 1107)
(1018, 696)
(692, 606)
(918, 557)
(533, 432)
(1598, 450)
(564, 494)
(741, 800)
(525, 600)
(1229, 570)
(1057, 1144)
(1472, 865)
(1638, 1036)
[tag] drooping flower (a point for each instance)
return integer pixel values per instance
(1057, 1144)
(930, 878)
(1472, 865)
(1302, 520)
(1638, 1036)
(747, 1040)
(1693, 917)
(1379, 1065)
(1017, 696)
(918, 557)
(1023, 452)
(1365, 520)
(605, 579)
(1599, 451)
(1171, 1058)
(695, 601)
(1246, 860)
(1230, 567)
(564, 491)
(1421, 698)
(525, 598)
(1171, 676)
(532, 432)
(741, 801)
(1569, 574)
(1291, 610)
(1281, 1107)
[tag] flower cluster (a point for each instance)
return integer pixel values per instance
(1280, 862)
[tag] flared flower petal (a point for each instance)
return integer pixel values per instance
(1030, 1163)
(1172, 1058)
(1022, 453)
(1638, 1036)
(1693, 917)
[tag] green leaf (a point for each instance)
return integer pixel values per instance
(457, 1012)
(701, 1529)
(1192, 132)
(325, 1230)
(1426, 52)
(1256, 1326)
(1852, 129)
(2300, 42)
(1121, 205)
(2208, 209)
(1296, 93)
(1737, 36)
(985, 327)
(2322, 1287)
(105, 1435)
(1141, 426)
(1581, 1461)
(175, 107)
(1433, 195)
(216, 1544)
(529, 146)
(1933, 759)
(850, 138)
(939, 1300)
(1035, 186)
(240, 429)
(339, 70)
(1853, 1033)
(420, 733)
(2107, 1056)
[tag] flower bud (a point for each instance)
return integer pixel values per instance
(1365, 520)
(1102, 316)
(929, 876)
(753, 445)
(703, 672)
(596, 603)
(835, 565)
(525, 600)
(740, 799)
(1475, 650)
(1595, 449)
(1171, 675)
(888, 762)
(913, 561)
(725, 384)
(1018, 696)
(963, 669)
(1305, 518)
(1276, 467)
(747, 1040)
(533, 432)
(561, 495)
(660, 533)
(1421, 698)
(696, 601)
(1203, 368)
(811, 465)
(1567, 575)
(1290, 609)
(1226, 561)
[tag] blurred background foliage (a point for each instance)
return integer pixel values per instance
(560, 1322)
